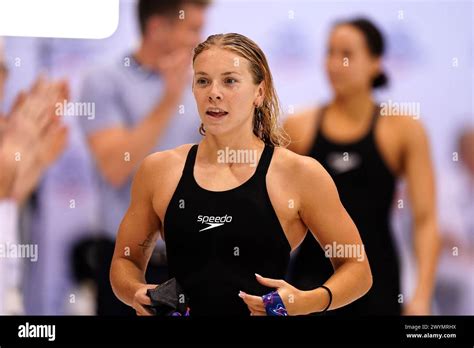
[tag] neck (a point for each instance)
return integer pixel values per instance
(211, 144)
(356, 106)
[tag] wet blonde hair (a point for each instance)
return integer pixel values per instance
(265, 120)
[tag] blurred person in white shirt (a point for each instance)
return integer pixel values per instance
(455, 285)
(31, 138)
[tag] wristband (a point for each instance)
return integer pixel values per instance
(274, 305)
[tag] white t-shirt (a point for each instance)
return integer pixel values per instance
(9, 266)
(456, 218)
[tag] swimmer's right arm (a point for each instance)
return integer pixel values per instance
(136, 239)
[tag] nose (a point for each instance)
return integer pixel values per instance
(333, 62)
(215, 93)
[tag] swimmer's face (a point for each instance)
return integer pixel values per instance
(349, 64)
(183, 31)
(225, 91)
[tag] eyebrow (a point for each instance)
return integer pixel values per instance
(224, 74)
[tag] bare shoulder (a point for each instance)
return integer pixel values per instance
(168, 158)
(297, 169)
(403, 122)
(303, 115)
(301, 128)
(160, 174)
(299, 121)
(411, 127)
(408, 129)
(164, 167)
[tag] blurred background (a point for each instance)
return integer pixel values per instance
(429, 60)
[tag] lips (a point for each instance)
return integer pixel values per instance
(216, 112)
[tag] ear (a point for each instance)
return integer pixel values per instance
(259, 94)
(376, 66)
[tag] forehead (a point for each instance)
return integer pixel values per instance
(220, 60)
(347, 35)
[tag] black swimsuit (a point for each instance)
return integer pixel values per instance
(217, 240)
(366, 188)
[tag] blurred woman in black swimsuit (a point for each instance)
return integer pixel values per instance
(365, 153)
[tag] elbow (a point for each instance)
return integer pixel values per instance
(112, 167)
(369, 281)
(115, 179)
(115, 275)
(113, 175)
(367, 278)
(112, 276)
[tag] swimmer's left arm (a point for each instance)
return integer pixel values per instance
(321, 210)
(323, 213)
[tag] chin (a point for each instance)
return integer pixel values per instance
(217, 130)
(341, 90)
(213, 129)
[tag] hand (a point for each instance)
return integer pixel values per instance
(34, 131)
(7, 175)
(54, 139)
(140, 300)
(417, 306)
(53, 144)
(176, 71)
(20, 135)
(32, 113)
(293, 298)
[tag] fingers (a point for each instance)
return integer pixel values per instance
(63, 88)
(271, 283)
(3, 124)
(19, 100)
(44, 104)
(55, 140)
(44, 115)
(142, 311)
(56, 129)
(254, 303)
(257, 313)
(141, 300)
(39, 84)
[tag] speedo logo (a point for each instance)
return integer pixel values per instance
(213, 221)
